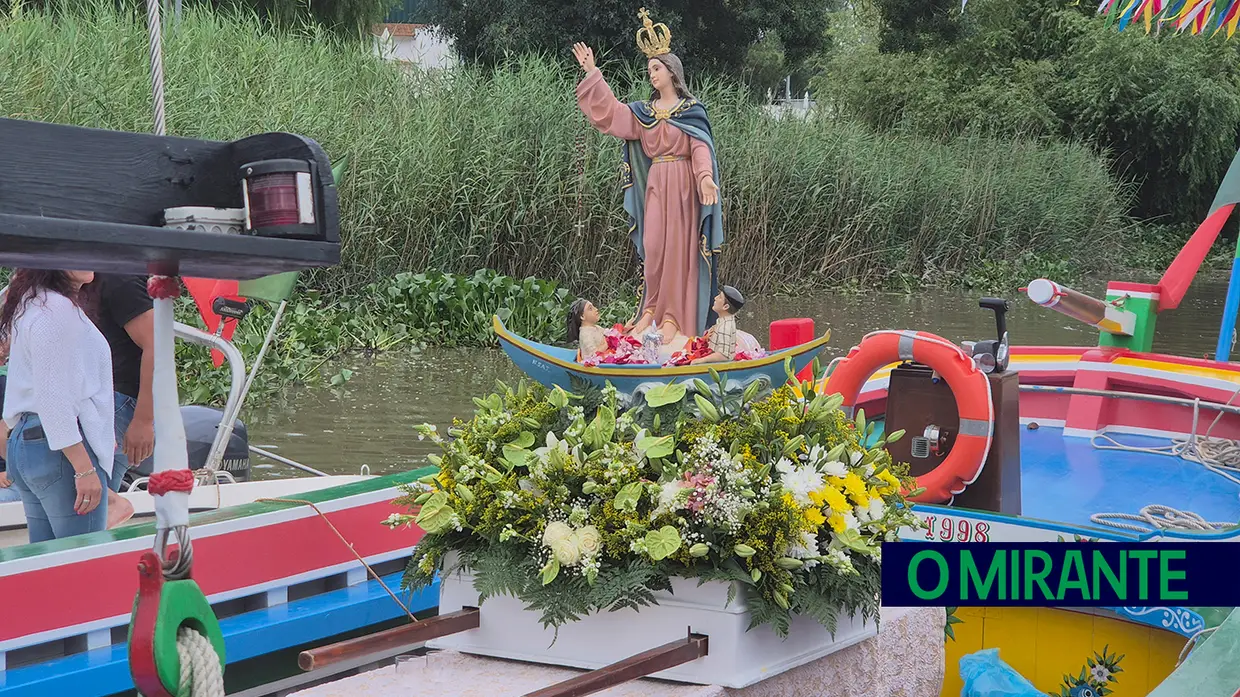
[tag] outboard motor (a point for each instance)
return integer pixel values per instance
(201, 424)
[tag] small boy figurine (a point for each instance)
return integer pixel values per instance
(721, 338)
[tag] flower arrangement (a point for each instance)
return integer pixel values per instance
(590, 501)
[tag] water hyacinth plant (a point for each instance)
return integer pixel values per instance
(588, 501)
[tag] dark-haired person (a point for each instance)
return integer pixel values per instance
(58, 405)
(125, 313)
(722, 337)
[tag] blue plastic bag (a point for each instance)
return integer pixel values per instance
(984, 675)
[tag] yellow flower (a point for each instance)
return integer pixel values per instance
(814, 517)
(837, 522)
(893, 484)
(832, 497)
(854, 486)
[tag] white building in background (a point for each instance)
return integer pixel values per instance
(415, 44)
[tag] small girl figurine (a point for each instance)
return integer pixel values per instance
(583, 328)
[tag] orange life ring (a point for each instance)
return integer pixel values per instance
(969, 386)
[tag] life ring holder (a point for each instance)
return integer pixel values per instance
(970, 388)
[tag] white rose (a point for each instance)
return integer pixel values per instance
(589, 541)
(556, 531)
(566, 551)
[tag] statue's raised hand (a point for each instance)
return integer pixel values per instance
(584, 55)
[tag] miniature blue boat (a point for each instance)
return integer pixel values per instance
(555, 366)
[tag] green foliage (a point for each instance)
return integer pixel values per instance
(1098, 675)
(410, 310)
(948, 632)
(710, 35)
(773, 492)
(340, 18)
(1051, 69)
(466, 169)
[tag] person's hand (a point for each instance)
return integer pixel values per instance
(708, 191)
(139, 441)
(5, 482)
(89, 493)
(585, 56)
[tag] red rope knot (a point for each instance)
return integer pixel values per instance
(163, 287)
(161, 483)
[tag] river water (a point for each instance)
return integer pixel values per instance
(369, 420)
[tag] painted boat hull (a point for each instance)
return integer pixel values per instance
(276, 574)
(554, 366)
(1044, 644)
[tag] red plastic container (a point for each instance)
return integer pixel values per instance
(786, 333)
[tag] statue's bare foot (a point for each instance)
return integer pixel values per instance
(120, 510)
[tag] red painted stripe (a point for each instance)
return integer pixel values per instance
(221, 563)
(1132, 287)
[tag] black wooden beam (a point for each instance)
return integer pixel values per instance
(93, 199)
(634, 667)
(49, 243)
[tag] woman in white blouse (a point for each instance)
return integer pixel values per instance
(58, 404)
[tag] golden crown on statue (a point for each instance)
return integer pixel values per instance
(653, 39)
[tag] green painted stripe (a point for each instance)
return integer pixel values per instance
(129, 532)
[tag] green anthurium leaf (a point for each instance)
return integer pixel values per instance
(662, 543)
(550, 571)
(663, 395)
(516, 457)
(436, 514)
(628, 496)
(524, 440)
(853, 540)
(656, 446)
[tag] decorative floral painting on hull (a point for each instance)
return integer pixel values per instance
(590, 501)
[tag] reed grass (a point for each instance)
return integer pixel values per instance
(463, 170)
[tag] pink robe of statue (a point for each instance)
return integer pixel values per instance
(671, 236)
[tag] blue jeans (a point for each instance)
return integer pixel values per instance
(9, 494)
(123, 417)
(44, 479)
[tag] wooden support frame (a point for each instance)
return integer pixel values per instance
(388, 640)
(669, 655)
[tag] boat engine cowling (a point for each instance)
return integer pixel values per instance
(201, 424)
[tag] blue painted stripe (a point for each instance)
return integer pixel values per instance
(106, 671)
(1223, 351)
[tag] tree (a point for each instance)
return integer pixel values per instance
(709, 35)
(1164, 109)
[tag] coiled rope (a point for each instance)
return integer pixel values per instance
(1215, 454)
(201, 673)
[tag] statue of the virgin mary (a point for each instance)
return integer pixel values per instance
(670, 185)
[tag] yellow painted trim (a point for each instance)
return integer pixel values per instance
(1198, 371)
(734, 366)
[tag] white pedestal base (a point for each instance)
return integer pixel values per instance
(736, 658)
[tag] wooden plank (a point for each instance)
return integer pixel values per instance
(408, 635)
(643, 664)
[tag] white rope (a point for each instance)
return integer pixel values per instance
(1159, 517)
(1215, 454)
(201, 672)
